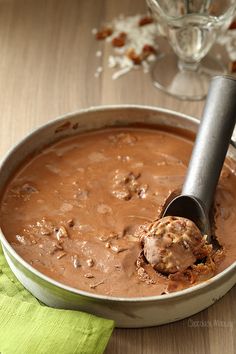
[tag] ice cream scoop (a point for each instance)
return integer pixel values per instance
(208, 155)
(183, 234)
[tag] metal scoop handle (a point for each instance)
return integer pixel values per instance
(212, 141)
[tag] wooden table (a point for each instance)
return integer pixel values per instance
(47, 66)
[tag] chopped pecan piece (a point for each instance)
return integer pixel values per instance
(93, 286)
(233, 25)
(61, 232)
(70, 223)
(75, 261)
(147, 50)
(132, 55)
(119, 41)
(146, 20)
(118, 249)
(104, 33)
(232, 66)
(89, 275)
(122, 194)
(61, 255)
(90, 262)
(21, 239)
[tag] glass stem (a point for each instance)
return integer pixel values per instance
(187, 66)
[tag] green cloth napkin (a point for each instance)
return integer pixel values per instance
(26, 327)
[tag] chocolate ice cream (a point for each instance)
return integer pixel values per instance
(75, 212)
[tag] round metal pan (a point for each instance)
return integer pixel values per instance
(127, 312)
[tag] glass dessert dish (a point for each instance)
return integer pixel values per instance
(191, 28)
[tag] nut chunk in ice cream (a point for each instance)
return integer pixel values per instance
(172, 244)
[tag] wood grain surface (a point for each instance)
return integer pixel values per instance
(47, 66)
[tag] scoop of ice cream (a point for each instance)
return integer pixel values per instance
(172, 244)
